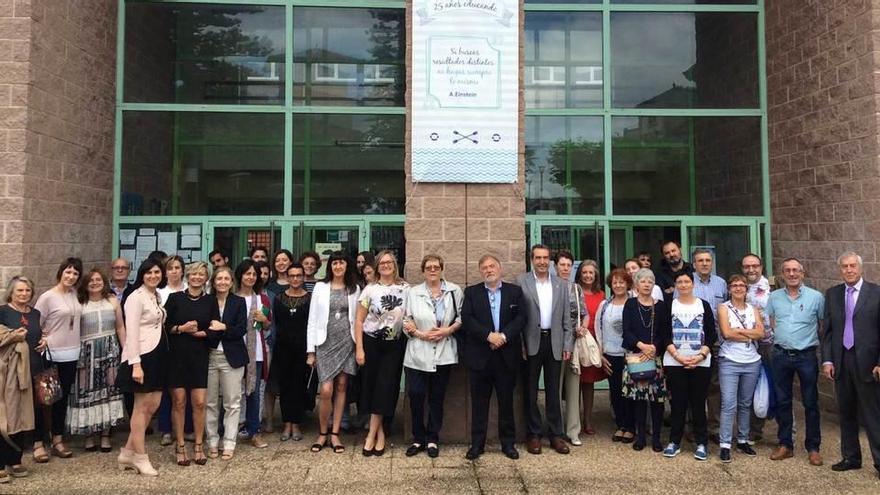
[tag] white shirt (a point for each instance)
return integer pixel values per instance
(258, 349)
(545, 300)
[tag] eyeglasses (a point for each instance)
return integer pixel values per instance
(433, 268)
(298, 275)
(386, 263)
(737, 286)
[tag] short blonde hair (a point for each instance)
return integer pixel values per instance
(11, 286)
(194, 267)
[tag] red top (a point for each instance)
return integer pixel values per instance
(592, 301)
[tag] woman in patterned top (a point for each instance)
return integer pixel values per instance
(95, 403)
(380, 348)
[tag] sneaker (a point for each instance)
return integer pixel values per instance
(701, 454)
(725, 455)
(671, 450)
(746, 449)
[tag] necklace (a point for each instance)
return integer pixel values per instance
(194, 298)
(649, 311)
(23, 310)
(71, 308)
(294, 302)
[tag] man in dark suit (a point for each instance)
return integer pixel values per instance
(492, 316)
(851, 357)
(549, 341)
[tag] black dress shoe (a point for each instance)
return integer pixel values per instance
(510, 452)
(639, 445)
(433, 451)
(473, 454)
(846, 465)
(414, 449)
(367, 452)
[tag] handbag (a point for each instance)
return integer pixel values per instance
(642, 370)
(47, 385)
(594, 357)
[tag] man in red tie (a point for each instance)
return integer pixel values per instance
(851, 357)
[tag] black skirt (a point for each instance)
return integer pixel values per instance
(188, 362)
(380, 375)
(154, 365)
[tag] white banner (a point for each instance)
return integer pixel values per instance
(465, 91)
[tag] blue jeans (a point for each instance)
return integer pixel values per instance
(252, 415)
(805, 364)
(738, 381)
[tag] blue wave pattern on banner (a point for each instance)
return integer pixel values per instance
(456, 165)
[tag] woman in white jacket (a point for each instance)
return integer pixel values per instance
(433, 314)
(330, 343)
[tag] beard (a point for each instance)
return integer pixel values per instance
(674, 261)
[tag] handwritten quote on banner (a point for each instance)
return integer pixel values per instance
(465, 91)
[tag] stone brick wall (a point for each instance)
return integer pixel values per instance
(57, 94)
(822, 109)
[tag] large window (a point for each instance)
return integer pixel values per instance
(285, 118)
(198, 53)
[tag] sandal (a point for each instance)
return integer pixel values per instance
(63, 453)
(317, 446)
(618, 436)
(90, 445)
(337, 448)
(199, 455)
(286, 436)
(182, 459)
(213, 453)
(227, 454)
(105, 444)
(40, 458)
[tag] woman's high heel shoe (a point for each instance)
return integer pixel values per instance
(141, 464)
(180, 451)
(123, 461)
(199, 455)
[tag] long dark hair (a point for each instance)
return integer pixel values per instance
(242, 268)
(350, 278)
(146, 266)
(275, 257)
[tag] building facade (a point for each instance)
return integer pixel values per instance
(127, 126)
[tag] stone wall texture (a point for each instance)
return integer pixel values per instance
(57, 97)
(822, 108)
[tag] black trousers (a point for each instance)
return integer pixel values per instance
(422, 386)
(640, 411)
(544, 360)
(857, 398)
(496, 375)
(622, 406)
(290, 369)
(688, 389)
(9, 456)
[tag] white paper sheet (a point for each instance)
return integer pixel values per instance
(191, 229)
(146, 243)
(190, 241)
(126, 236)
(168, 242)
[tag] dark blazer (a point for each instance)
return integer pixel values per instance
(235, 319)
(476, 317)
(866, 329)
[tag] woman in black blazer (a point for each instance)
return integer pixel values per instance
(226, 363)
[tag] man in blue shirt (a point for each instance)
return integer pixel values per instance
(712, 289)
(796, 313)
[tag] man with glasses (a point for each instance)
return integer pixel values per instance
(119, 270)
(796, 313)
(492, 316)
(758, 296)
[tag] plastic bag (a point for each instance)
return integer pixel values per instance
(761, 400)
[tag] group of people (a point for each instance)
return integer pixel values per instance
(199, 343)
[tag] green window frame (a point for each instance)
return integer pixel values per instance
(760, 224)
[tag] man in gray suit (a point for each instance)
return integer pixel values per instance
(548, 341)
(851, 357)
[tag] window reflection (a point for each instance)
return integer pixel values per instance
(563, 53)
(684, 60)
(193, 163)
(219, 54)
(688, 166)
(348, 56)
(348, 164)
(564, 165)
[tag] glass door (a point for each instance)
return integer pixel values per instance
(325, 237)
(585, 240)
(629, 239)
(729, 242)
(236, 241)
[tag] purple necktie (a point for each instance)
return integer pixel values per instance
(848, 337)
